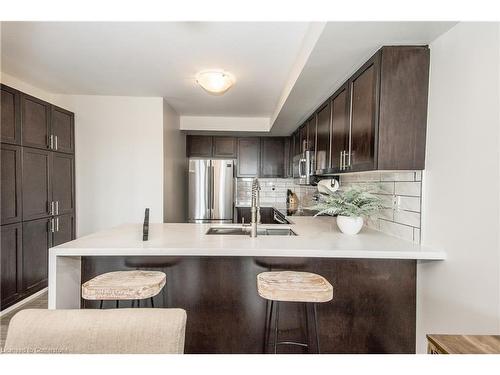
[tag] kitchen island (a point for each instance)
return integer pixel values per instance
(213, 277)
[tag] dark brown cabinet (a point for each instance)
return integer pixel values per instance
(199, 146)
(10, 263)
(10, 115)
(10, 184)
(323, 137)
(339, 127)
(363, 90)
(248, 162)
(37, 188)
(303, 138)
(297, 147)
(36, 242)
(273, 157)
(378, 117)
(62, 130)
(224, 147)
(311, 129)
(62, 177)
(35, 122)
(63, 229)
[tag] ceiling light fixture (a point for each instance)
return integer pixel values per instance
(215, 82)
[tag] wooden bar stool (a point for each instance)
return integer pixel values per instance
(124, 286)
(291, 286)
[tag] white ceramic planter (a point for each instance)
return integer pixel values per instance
(350, 225)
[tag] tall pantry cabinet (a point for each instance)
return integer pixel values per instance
(37, 189)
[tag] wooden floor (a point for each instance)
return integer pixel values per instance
(38, 303)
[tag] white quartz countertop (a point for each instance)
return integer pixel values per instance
(316, 237)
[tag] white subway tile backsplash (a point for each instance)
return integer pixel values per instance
(407, 218)
(408, 203)
(408, 188)
(400, 192)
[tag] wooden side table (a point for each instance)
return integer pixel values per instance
(463, 344)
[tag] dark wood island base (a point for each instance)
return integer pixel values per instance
(373, 309)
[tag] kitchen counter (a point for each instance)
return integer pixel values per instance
(213, 277)
(316, 237)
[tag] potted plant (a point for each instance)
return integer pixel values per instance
(351, 206)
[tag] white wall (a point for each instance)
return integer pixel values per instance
(174, 168)
(461, 185)
(119, 160)
(218, 123)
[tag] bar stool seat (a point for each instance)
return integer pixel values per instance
(124, 285)
(291, 286)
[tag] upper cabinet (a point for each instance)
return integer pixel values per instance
(11, 115)
(311, 134)
(273, 157)
(363, 89)
(203, 146)
(35, 118)
(224, 147)
(248, 163)
(62, 125)
(339, 127)
(10, 184)
(377, 119)
(323, 137)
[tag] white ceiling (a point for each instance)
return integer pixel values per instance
(340, 50)
(157, 59)
(283, 70)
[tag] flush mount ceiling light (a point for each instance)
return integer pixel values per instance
(215, 82)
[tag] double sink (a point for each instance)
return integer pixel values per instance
(245, 231)
(269, 215)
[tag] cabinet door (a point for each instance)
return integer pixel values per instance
(62, 179)
(37, 192)
(200, 146)
(10, 184)
(303, 137)
(311, 134)
(35, 122)
(297, 147)
(340, 126)
(63, 130)
(36, 242)
(10, 258)
(64, 229)
(273, 156)
(224, 147)
(323, 137)
(11, 115)
(364, 116)
(248, 157)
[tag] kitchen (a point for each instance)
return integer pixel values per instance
(231, 194)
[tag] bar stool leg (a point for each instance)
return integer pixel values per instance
(138, 303)
(152, 303)
(100, 304)
(117, 304)
(276, 327)
(307, 328)
(267, 326)
(316, 328)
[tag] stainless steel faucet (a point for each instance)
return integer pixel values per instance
(255, 207)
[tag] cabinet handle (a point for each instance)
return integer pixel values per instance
(55, 143)
(57, 224)
(51, 142)
(52, 226)
(340, 160)
(52, 208)
(57, 207)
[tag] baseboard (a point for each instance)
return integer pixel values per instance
(23, 302)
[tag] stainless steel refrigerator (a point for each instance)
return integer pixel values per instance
(211, 184)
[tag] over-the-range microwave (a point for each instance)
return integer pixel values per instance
(303, 168)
